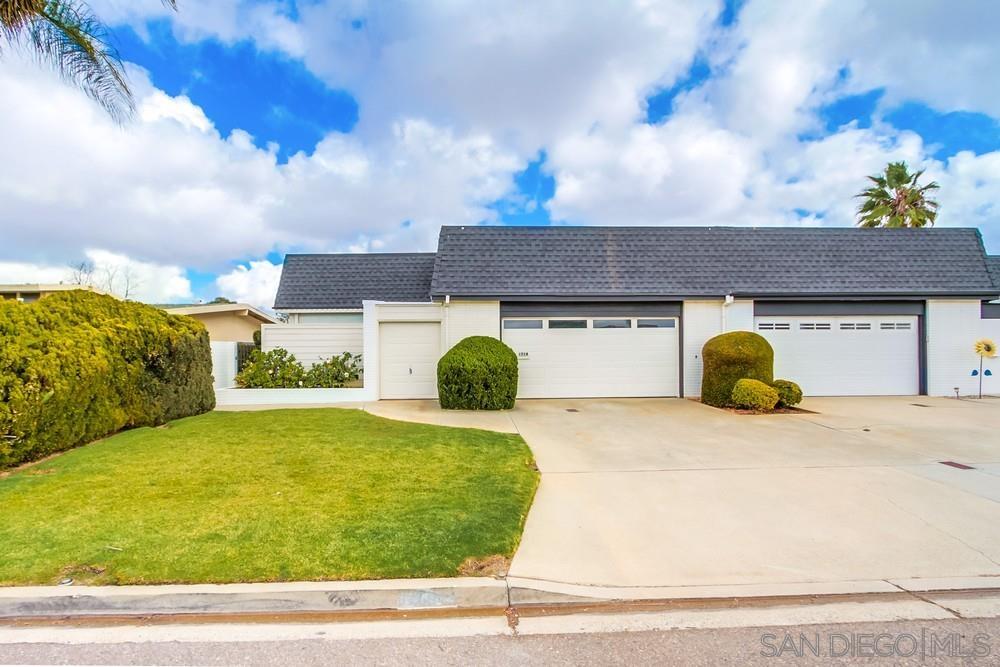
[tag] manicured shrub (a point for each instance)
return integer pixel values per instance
(789, 393)
(754, 395)
(730, 357)
(479, 373)
(336, 371)
(274, 369)
(76, 366)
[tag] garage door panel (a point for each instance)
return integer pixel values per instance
(845, 356)
(409, 352)
(583, 363)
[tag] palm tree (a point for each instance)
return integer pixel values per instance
(66, 35)
(896, 199)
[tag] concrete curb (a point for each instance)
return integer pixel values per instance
(410, 598)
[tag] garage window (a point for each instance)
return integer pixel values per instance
(567, 324)
(612, 324)
(895, 325)
(657, 324)
(855, 326)
(814, 326)
(522, 324)
(772, 326)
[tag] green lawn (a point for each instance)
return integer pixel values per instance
(266, 496)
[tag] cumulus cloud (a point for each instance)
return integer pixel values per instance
(255, 283)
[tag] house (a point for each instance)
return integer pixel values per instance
(231, 322)
(625, 311)
(28, 292)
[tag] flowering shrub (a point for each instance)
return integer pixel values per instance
(275, 369)
(336, 371)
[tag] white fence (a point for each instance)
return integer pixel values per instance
(312, 342)
(223, 364)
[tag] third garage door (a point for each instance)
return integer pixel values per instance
(845, 355)
(584, 357)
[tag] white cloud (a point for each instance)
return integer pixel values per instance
(255, 283)
(112, 272)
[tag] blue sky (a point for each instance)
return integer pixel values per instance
(266, 127)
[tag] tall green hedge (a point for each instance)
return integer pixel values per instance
(76, 366)
(478, 373)
(729, 358)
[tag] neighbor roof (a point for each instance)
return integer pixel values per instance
(708, 261)
(344, 280)
(240, 309)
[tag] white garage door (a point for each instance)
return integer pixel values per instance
(582, 357)
(409, 352)
(847, 355)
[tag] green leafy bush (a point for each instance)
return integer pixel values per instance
(274, 369)
(789, 393)
(730, 357)
(754, 395)
(478, 373)
(336, 371)
(76, 366)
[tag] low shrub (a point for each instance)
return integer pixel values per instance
(730, 357)
(274, 369)
(76, 366)
(789, 393)
(754, 395)
(336, 371)
(478, 373)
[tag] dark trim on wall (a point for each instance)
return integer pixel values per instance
(592, 308)
(990, 311)
(791, 308)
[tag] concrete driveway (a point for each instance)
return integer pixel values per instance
(673, 493)
(668, 492)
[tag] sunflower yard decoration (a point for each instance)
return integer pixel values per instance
(986, 349)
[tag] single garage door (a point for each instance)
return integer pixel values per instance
(846, 355)
(409, 352)
(583, 357)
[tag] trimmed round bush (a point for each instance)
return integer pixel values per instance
(754, 395)
(478, 373)
(789, 393)
(731, 357)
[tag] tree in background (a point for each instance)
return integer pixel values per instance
(221, 299)
(896, 199)
(66, 35)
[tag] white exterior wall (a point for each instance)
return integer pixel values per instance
(470, 318)
(703, 320)
(312, 342)
(953, 326)
(223, 364)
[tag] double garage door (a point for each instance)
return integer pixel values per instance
(582, 357)
(845, 355)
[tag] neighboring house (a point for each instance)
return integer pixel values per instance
(625, 311)
(230, 322)
(28, 292)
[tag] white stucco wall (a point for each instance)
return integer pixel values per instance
(703, 320)
(953, 326)
(470, 318)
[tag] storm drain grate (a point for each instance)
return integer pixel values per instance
(571, 410)
(919, 405)
(953, 464)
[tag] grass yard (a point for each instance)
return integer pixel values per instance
(266, 496)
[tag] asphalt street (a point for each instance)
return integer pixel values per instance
(937, 642)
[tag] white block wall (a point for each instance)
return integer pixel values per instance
(470, 318)
(953, 326)
(312, 342)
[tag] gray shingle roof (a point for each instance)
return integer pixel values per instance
(343, 280)
(993, 265)
(708, 261)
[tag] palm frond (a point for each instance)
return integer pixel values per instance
(896, 199)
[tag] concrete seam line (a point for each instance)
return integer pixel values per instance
(922, 598)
